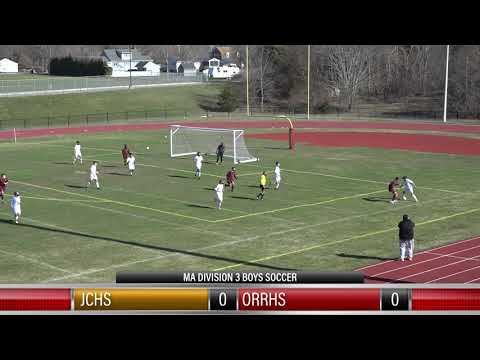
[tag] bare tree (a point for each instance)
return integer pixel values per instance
(348, 72)
(262, 71)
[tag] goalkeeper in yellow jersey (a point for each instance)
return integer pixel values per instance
(263, 183)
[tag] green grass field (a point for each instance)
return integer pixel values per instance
(183, 98)
(331, 212)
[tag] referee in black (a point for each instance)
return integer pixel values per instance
(220, 151)
(406, 237)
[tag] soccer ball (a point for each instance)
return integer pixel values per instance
(148, 147)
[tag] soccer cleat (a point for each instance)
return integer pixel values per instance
(404, 198)
(410, 259)
(402, 259)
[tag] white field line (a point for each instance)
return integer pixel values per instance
(262, 236)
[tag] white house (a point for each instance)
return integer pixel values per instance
(8, 66)
(124, 61)
(218, 71)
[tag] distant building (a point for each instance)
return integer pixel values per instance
(218, 69)
(124, 61)
(8, 66)
(187, 68)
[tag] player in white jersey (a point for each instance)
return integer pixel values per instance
(15, 204)
(408, 186)
(278, 178)
(198, 164)
(94, 175)
(77, 153)
(219, 194)
(131, 163)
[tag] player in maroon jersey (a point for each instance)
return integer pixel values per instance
(392, 187)
(125, 152)
(3, 185)
(231, 178)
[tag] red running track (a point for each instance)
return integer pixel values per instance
(458, 262)
(412, 142)
(328, 124)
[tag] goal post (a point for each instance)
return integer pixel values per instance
(188, 140)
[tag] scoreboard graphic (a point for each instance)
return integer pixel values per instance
(241, 293)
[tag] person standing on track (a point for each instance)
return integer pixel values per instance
(406, 237)
(125, 152)
(220, 151)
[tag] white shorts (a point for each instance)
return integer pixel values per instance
(408, 190)
(219, 198)
(199, 167)
(131, 168)
(93, 178)
(17, 211)
(277, 179)
(78, 155)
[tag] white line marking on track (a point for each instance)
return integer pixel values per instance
(421, 262)
(450, 275)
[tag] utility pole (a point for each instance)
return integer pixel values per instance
(248, 98)
(131, 54)
(308, 84)
(446, 87)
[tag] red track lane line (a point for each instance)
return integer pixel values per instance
(422, 252)
(460, 264)
(424, 261)
(458, 277)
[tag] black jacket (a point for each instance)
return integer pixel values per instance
(220, 149)
(406, 229)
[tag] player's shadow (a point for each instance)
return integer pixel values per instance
(76, 186)
(147, 246)
(363, 257)
(63, 163)
(242, 197)
(109, 166)
(376, 199)
(117, 174)
(180, 176)
(200, 206)
(275, 148)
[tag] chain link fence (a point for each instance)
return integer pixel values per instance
(51, 85)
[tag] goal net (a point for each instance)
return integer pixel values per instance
(187, 140)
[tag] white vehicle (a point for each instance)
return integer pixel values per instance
(217, 71)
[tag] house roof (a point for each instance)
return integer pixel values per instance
(5, 60)
(115, 55)
(141, 64)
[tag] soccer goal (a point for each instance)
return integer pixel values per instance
(187, 140)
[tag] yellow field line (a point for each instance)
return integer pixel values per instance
(345, 240)
(115, 202)
(297, 206)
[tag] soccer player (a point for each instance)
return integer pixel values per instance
(77, 153)
(15, 204)
(408, 186)
(198, 164)
(219, 194)
(220, 151)
(231, 178)
(278, 178)
(3, 185)
(94, 175)
(131, 163)
(125, 152)
(392, 187)
(263, 183)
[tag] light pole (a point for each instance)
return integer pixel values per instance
(308, 84)
(446, 87)
(248, 98)
(131, 54)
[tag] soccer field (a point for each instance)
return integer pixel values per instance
(332, 210)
